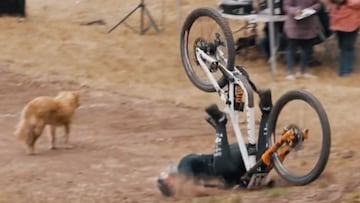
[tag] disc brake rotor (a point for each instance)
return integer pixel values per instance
(207, 47)
(299, 137)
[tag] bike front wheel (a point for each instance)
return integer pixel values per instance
(206, 29)
(307, 156)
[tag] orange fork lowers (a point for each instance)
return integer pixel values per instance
(287, 137)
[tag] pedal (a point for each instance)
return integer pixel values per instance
(257, 181)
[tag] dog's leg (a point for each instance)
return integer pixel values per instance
(30, 142)
(34, 134)
(52, 137)
(67, 132)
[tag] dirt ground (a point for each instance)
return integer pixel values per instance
(138, 110)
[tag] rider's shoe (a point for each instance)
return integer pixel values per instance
(217, 116)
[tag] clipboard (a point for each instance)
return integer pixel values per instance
(305, 13)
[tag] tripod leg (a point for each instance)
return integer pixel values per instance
(142, 22)
(151, 19)
(119, 23)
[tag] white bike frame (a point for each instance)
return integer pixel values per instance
(234, 78)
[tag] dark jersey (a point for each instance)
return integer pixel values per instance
(228, 167)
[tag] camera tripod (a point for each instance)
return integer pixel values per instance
(144, 11)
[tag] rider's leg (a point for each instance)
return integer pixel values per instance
(222, 156)
(223, 162)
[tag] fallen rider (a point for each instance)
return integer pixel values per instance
(222, 169)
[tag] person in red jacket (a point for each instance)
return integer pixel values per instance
(345, 22)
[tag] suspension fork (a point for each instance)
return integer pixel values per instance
(287, 138)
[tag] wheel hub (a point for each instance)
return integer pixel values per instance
(296, 143)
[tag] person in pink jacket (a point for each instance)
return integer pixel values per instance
(300, 33)
(345, 22)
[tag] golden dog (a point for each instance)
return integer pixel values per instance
(46, 110)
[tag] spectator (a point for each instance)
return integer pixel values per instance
(300, 33)
(345, 21)
(264, 42)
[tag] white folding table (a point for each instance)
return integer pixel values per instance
(265, 17)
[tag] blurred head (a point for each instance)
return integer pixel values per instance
(71, 97)
(167, 180)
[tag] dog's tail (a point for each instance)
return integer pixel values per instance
(25, 128)
(22, 129)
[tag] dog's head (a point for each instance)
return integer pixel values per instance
(71, 97)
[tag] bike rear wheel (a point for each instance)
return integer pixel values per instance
(298, 111)
(206, 29)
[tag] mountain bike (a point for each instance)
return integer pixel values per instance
(295, 138)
